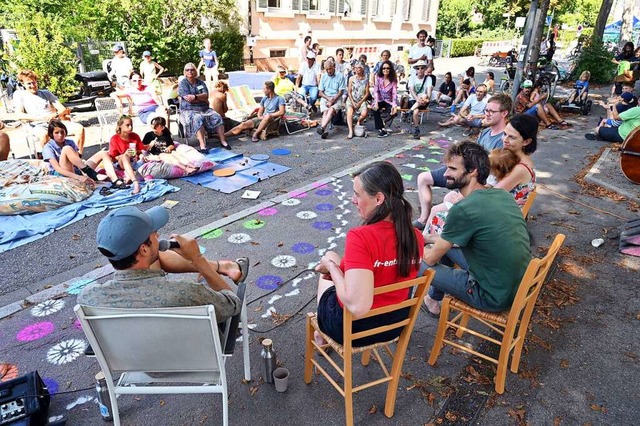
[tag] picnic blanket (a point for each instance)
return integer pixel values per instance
(248, 171)
(18, 230)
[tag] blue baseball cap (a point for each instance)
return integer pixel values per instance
(117, 47)
(146, 53)
(122, 231)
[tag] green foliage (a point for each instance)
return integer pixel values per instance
(595, 58)
(465, 47)
(229, 44)
(42, 49)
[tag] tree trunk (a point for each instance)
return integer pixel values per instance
(538, 30)
(598, 30)
(626, 28)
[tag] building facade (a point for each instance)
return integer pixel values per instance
(276, 28)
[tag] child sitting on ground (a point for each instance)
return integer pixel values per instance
(161, 148)
(125, 148)
(582, 88)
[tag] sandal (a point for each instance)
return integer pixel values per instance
(120, 184)
(564, 123)
(553, 127)
(243, 265)
(227, 146)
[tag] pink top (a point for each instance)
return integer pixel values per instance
(142, 98)
(388, 93)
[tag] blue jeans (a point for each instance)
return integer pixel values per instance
(459, 283)
(312, 92)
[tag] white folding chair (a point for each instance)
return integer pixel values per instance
(109, 113)
(176, 345)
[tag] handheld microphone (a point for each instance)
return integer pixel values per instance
(164, 245)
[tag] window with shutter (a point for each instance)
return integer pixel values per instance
(295, 6)
(263, 4)
(374, 7)
(406, 10)
(340, 7)
(305, 6)
(394, 8)
(332, 7)
(363, 7)
(426, 10)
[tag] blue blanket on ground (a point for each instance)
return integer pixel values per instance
(18, 230)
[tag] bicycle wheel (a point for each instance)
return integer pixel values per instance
(546, 86)
(505, 87)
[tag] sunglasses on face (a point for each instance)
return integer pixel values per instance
(189, 69)
(421, 68)
(386, 68)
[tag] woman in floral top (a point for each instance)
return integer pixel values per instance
(385, 95)
(358, 92)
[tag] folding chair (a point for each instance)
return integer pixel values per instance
(527, 206)
(511, 325)
(109, 113)
(347, 350)
(241, 103)
(178, 348)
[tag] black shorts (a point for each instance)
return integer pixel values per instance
(330, 320)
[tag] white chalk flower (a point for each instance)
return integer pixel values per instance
(306, 215)
(66, 351)
(239, 238)
(283, 261)
(291, 202)
(47, 307)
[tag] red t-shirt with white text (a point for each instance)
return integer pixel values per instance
(373, 247)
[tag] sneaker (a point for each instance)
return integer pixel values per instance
(418, 225)
(404, 117)
(383, 133)
(591, 136)
(324, 134)
(320, 130)
(416, 132)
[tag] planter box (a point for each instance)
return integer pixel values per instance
(250, 68)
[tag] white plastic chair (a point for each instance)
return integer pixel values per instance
(176, 345)
(109, 113)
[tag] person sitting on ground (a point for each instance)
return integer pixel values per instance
(627, 101)
(357, 92)
(524, 105)
(383, 251)
(120, 67)
(195, 114)
(490, 82)
(39, 106)
(536, 94)
(272, 107)
(496, 114)
(581, 92)
(150, 71)
(472, 111)
(385, 95)
(308, 79)
(286, 88)
(142, 100)
(161, 147)
(476, 225)
(447, 91)
(62, 155)
(469, 74)
(463, 93)
(128, 238)
(126, 148)
(5, 145)
(331, 88)
(218, 101)
(420, 95)
(630, 120)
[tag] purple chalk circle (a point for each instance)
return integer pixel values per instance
(269, 211)
(303, 248)
(269, 282)
(35, 331)
(322, 225)
(281, 151)
(52, 385)
(325, 207)
(324, 192)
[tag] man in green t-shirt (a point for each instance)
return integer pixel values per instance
(490, 231)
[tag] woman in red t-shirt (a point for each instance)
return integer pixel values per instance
(386, 249)
(125, 148)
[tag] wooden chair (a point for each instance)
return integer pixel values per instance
(527, 206)
(346, 350)
(511, 325)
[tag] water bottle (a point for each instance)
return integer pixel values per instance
(268, 360)
(104, 401)
(453, 108)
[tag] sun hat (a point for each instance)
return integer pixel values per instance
(420, 63)
(311, 55)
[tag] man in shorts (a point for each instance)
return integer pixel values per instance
(330, 90)
(272, 107)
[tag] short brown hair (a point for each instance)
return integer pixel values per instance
(224, 87)
(24, 74)
(503, 100)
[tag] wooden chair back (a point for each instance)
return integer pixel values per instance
(529, 203)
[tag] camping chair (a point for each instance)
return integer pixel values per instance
(109, 113)
(295, 115)
(527, 206)
(241, 103)
(511, 325)
(346, 350)
(179, 348)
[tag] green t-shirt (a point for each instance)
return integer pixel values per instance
(630, 120)
(623, 66)
(489, 228)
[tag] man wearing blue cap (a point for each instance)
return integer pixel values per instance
(128, 237)
(120, 66)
